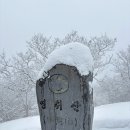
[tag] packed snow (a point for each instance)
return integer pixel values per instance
(106, 117)
(72, 54)
(112, 117)
(29, 123)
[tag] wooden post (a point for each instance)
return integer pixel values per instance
(65, 100)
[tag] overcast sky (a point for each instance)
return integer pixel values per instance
(21, 19)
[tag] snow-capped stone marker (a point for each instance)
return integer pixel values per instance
(63, 93)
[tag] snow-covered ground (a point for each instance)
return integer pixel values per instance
(29, 123)
(107, 117)
(112, 117)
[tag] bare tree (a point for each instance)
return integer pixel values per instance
(122, 68)
(18, 74)
(26, 76)
(18, 80)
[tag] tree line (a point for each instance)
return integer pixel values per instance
(18, 74)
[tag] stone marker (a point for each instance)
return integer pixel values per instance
(65, 99)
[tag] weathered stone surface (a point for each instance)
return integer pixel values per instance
(64, 100)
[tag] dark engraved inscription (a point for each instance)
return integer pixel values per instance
(63, 121)
(59, 120)
(58, 104)
(41, 82)
(43, 104)
(85, 97)
(75, 122)
(76, 106)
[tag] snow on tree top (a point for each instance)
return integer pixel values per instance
(72, 54)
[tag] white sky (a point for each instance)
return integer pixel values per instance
(21, 19)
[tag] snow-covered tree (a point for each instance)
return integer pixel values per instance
(18, 80)
(115, 88)
(8, 101)
(122, 69)
(100, 47)
(25, 73)
(18, 74)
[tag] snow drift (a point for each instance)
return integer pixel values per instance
(113, 116)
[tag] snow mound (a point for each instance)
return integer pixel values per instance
(72, 54)
(113, 116)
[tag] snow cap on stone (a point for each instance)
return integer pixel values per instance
(72, 54)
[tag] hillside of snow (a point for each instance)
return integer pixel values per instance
(106, 117)
(112, 117)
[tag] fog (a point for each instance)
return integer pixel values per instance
(20, 20)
